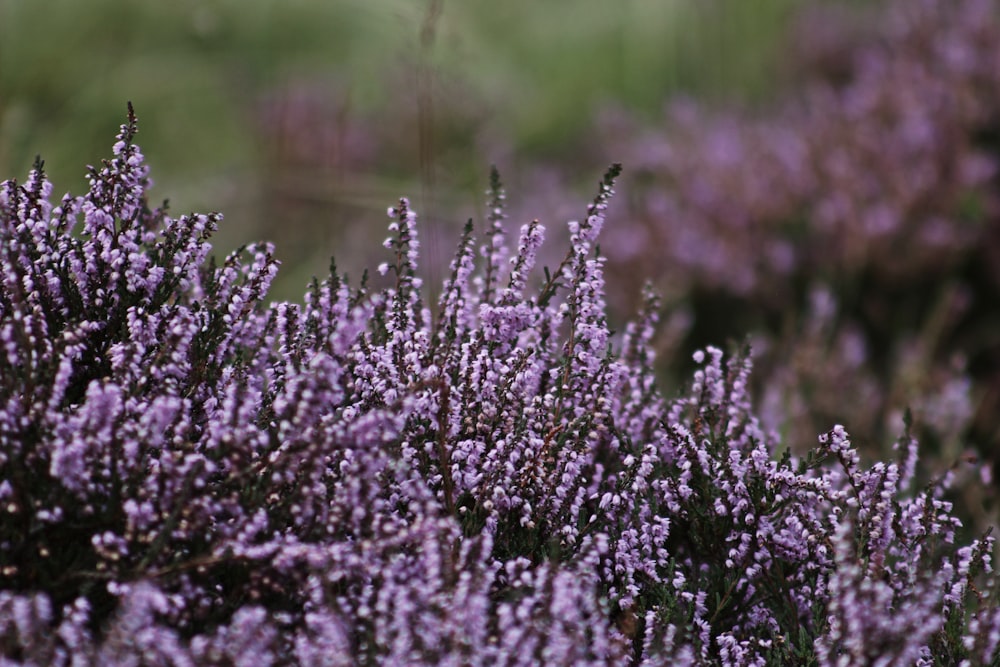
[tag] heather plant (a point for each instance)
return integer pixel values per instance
(871, 187)
(192, 475)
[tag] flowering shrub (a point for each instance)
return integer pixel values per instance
(874, 190)
(849, 226)
(190, 476)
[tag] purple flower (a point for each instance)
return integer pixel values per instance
(192, 475)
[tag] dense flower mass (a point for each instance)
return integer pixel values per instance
(849, 223)
(191, 475)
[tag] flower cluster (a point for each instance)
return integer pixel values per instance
(191, 475)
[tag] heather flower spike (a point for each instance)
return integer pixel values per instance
(190, 474)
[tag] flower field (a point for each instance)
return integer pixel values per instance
(194, 476)
(741, 408)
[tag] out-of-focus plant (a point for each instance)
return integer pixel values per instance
(852, 228)
(190, 475)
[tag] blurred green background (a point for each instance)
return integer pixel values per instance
(301, 120)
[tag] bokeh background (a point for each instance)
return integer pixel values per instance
(302, 120)
(815, 177)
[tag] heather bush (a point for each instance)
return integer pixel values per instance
(851, 225)
(192, 475)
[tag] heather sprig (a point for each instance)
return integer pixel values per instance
(192, 475)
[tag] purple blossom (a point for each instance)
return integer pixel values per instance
(192, 475)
